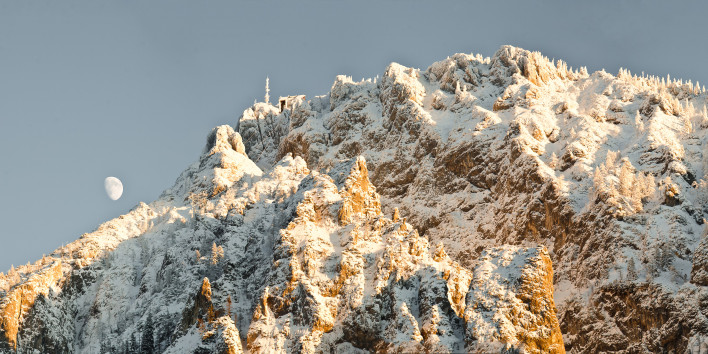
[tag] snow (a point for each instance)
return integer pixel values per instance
(466, 104)
(463, 148)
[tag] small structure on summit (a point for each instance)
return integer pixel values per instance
(288, 101)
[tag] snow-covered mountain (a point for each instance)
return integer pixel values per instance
(484, 204)
(291, 260)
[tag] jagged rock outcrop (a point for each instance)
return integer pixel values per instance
(387, 277)
(205, 329)
(201, 308)
(17, 302)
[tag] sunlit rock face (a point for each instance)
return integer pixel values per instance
(234, 258)
(605, 171)
(350, 279)
(503, 204)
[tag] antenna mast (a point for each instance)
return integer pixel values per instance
(267, 90)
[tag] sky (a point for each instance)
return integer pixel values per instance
(91, 89)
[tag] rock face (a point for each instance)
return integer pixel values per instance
(350, 279)
(514, 184)
(605, 171)
(699, 271)
(233, 259)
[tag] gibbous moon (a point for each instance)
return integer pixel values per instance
(114, 188)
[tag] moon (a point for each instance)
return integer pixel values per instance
(114, 188)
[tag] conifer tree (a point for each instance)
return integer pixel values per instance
(598, 181)
(217, 253)
(638, 122)
(611, 159)
(631, 270)
(133, 345)
(638, 193)
(106, 347)
(554, 161)
(626, 178)
(147, 344)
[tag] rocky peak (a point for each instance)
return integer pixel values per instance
(535, 67)
(527, 200)
(223, 138)
(518, 149)
(359, 197)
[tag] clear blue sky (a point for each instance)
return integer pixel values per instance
(90, 89)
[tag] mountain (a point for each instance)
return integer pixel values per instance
(491, 204)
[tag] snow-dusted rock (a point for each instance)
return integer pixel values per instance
(515, 184)
(518, 149)
(699, 269)
(232, 258)
(347, 277)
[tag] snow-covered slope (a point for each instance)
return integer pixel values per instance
(482, 204)
(237, 258)
(605, 171)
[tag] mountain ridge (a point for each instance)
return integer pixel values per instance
(449, 146)
(512, 159)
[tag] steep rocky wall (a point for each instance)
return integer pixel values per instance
(20, 299)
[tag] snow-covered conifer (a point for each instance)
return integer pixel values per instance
(626, 178)
(147, 342)
(554, 161)
(637, 193)
(217, 253)
(631, 270)
(611, 160)
(638, 122)
(133, 346)
(598, 180)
